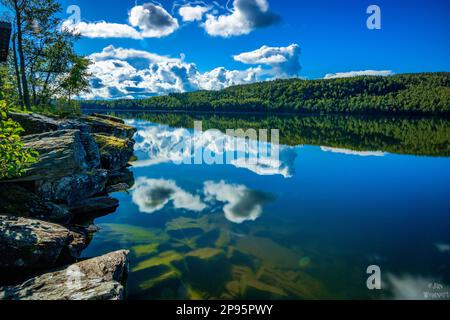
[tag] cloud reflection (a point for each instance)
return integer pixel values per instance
(162, 144)
(408, 287)
(241, 204)
(354, 152)
(152, 195)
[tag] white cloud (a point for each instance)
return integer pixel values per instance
(146, 21)
(119, 72)
(245, 16)
(152, 195)
(383, 73)
(354, 152)
(193, 13)
(283, 60)
(153, 20)
(241, 204)
(220, 78)
(111, 52)
(102, 30)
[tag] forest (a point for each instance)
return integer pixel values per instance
(412, 94)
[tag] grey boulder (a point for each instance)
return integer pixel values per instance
(35, 244)
(100, 278)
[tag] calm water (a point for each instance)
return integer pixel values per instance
(346, 193)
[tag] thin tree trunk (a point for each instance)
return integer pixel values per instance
(26, 93)
(16, 69)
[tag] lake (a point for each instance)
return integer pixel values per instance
(343, 194)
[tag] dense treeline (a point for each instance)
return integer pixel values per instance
(421, 93)
(404, 135)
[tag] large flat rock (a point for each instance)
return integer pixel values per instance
(61, 153)
(94, 207)
(109, 127)
(34, 123)
(100, 278)
(72, 188)
(35, 244)
(115, 153)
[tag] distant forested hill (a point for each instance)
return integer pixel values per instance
(420, 93)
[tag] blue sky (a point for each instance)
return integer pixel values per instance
(331, 36)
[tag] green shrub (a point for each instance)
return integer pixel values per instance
(13, 157)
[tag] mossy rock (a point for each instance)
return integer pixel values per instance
(108, 117)
(109, 127)
(115, 153)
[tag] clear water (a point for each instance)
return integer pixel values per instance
(347, 193)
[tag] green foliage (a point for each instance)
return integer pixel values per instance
(421, 93)
(13, 157)
(48, 74)
(60, 107)
(77, 81)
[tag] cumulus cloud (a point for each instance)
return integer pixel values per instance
(241, 204)
(152, 195)
(245, 16)
(145, 21)
(153, 20)
(383, 73)
(193, 13)
(111, 52)
(283, 60)
(354, 152)
(102, 30)
(137, 73)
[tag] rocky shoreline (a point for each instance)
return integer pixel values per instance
(46, 215)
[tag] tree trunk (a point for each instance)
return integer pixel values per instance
(26, 93)
(16, 69)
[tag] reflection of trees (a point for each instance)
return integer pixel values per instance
(418, 136)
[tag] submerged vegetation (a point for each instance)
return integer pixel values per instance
(421, 93)
(235, 269)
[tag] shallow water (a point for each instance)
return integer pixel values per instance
(345, 194)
